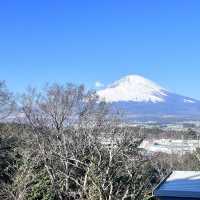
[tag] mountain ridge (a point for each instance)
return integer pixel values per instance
(138, 96)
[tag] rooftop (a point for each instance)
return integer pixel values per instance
(180, 184)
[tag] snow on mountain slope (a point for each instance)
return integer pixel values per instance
(133, 88)
(138, 96)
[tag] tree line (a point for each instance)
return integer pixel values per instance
(62, 143)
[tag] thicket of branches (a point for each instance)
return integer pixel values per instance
(67, 145)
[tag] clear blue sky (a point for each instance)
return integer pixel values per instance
(83, 41)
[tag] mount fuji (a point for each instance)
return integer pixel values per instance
(141, 98)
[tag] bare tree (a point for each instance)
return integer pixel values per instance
(6, 101)
(51, 116)
(82, 148)
(6, 141)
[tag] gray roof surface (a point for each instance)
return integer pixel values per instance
(180, 184)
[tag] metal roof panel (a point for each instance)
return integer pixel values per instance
(180, 184)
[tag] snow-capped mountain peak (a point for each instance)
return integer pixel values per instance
(142, 99)
(133, 88)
